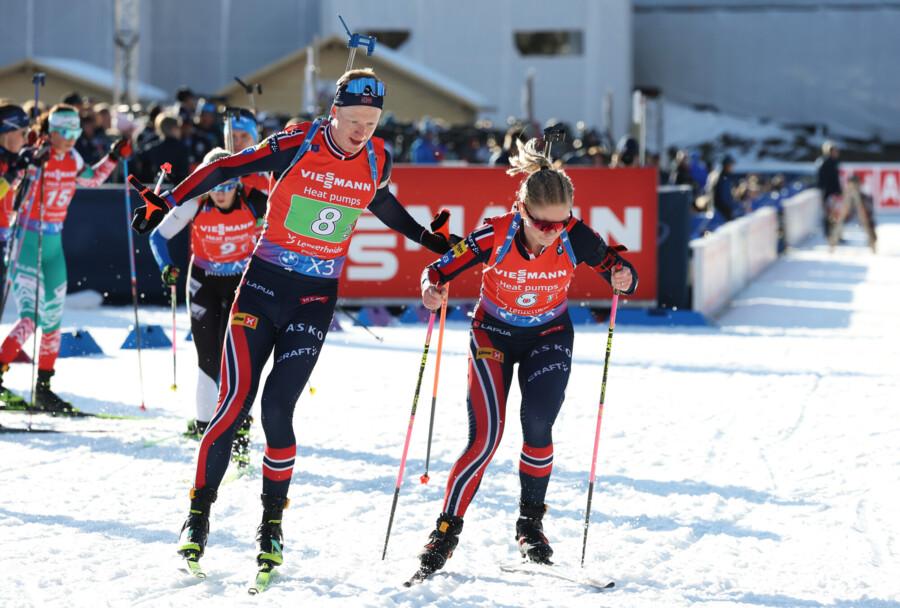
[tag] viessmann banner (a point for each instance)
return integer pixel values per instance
(619, 204)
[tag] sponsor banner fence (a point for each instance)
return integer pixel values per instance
(881, 181)
(619, 204)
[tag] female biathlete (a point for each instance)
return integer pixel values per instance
(51, 192)
(328, 174)
(225, 224)
(522, 318)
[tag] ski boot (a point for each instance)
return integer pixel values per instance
(240, 448)
(9, 399)
(195, 531)
(441, 543)
(269, 537)
(45, 399)
(195, 429)
(533, 544)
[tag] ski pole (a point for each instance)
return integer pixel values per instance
(174, 365)
(37, 290)
(437, 371)
(412, 418)
(360, 323)
(14, 246)
(587, 513)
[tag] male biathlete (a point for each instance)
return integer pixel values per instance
(328, 172)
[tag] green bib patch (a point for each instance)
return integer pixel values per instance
(323, 221)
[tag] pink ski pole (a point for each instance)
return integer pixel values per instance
(587, 513)
(412, 418)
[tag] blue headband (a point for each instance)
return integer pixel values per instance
(245, 123)
(361, 92)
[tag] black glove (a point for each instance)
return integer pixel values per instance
(439, 240)
(146, 218)
(34, 156)
(121, 148)
(170, 274)
(612, 258)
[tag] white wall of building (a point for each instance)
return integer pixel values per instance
(472, 42)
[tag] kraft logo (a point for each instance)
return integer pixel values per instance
(459, 249)
(489, 353)
(245, 320)
(309, 299)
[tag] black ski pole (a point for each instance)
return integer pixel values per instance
(360, 323)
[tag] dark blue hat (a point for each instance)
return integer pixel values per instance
(12, 118)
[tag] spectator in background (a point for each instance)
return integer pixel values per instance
(208, 125)
(718, 189)
(148, 135)
(699, 169)
(185, 103)
(500, 157)
(681, 175)
(427, 148)
(169, 149)
(627, 153)
(828, 179)
(198, 144)
(86, 144)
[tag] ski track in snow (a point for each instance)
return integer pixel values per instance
(750, 463)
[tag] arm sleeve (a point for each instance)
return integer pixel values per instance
(258, 202)
(388, 209)
(176, 221)
(96, 175)
(274, 154)
(475, 249)
(592, 250)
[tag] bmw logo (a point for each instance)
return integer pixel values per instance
(217, 266)
(288, 259)
(559, 249)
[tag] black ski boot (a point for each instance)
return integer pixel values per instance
(45, 399)
(269, 537)
(240, 448)
(533, 544)
(7, 398)
(195, 531)
(195, 429)
(441, 543)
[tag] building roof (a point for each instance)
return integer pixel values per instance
(78, 71)
(413, 69)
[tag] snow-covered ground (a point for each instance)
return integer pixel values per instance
(751, 463)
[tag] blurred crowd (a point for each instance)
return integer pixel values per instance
(182, 132)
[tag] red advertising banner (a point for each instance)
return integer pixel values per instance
(879, 180)
(619, 204)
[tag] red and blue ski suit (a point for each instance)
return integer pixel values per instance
(286, 298)
(521, 318)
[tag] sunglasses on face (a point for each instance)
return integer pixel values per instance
(543, 225)
(226, 187)
(66, 133)
(359, 86)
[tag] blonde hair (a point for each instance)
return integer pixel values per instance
(357, 73)
(544, 186)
